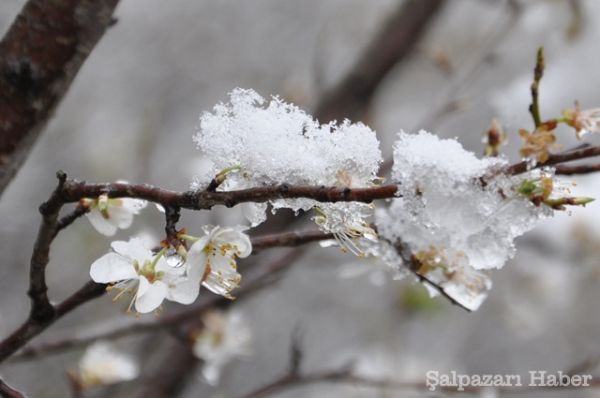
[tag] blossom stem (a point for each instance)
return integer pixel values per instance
(189, 238)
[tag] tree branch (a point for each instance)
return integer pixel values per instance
(554, 159)
(577, 169)
(73, 191)
(41, 309)
(40, 56)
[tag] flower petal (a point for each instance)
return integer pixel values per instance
(237, 238)
(184, 291)
(101, 224)
(120, 217)
(150, 296)
(133, 249)
(196, 260)
(112, 267)
(132, 205)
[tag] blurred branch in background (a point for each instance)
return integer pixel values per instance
(40, 56)
(294, 378)
(466, 72)
(351, 97)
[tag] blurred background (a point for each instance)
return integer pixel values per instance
(131, 114)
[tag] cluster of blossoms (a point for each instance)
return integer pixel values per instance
(450, 220)
(455, 226)
(151, 278)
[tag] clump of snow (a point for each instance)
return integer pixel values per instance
(275, 142)
(445, 207)
(445, 204)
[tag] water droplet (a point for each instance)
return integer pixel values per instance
(174, 259)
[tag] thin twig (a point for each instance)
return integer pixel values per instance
(577, 169)
(554, 159)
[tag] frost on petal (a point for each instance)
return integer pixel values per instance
(274, 142)
(100, 223)
(112, 267)
(103, 364)
(150, 295)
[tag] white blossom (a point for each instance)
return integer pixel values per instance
(135, 269)
(216, 254)
(275, 142)
(583, 121)
(224, 337)
(108, 215)
(103, 364)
